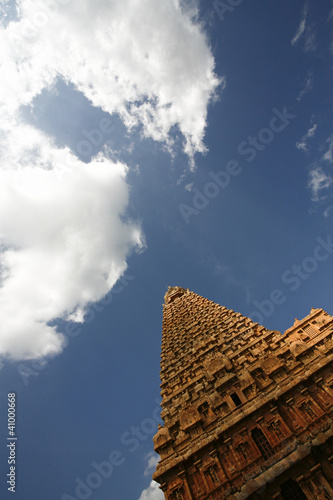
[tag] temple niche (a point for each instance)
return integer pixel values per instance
(247, 412)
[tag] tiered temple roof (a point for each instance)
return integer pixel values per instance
(241, 404)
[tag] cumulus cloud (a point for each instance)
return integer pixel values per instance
(64, 235)
(64, 242)
(147, 61)
(152, 492)
(302, 144)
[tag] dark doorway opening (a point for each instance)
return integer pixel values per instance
(291, 490)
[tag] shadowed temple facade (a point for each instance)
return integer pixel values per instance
(247, 411)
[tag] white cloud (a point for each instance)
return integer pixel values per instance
(305, 31)
(318, 181)
(328, 156)
(303, 142)
(301, 27)
(64, 242)
(153, 460)
(310, 43)
(148, 61)
(308, 85)
(63, 232)
(328, 210)
(152, 492)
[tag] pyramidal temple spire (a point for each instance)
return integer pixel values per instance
(243, 406)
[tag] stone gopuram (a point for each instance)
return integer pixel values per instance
(247, 411)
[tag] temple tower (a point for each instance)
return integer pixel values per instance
(247, 411)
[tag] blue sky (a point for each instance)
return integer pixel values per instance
(145, 145)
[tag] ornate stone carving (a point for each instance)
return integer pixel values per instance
(173, 293)
(189, 417)
(215, 399)
(217, 364)
(271, 364)
(162, 437)
(214, 365)
(297, 347)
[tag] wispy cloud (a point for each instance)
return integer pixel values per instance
(330, 16)
(152, 459)
(318, 182)
(305, 31)
(302, 144)
(320, 177)
(310, 42)
(302, 25)
(328, 156)
(328, 210)
(308, 85)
